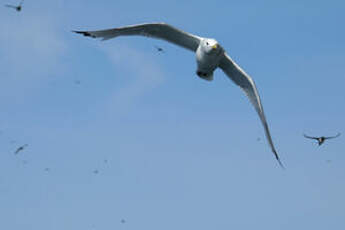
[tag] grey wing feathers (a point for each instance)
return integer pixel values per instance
(306, 136)
(155, 30)
(10, 6)
(237, 75)
(333, 136)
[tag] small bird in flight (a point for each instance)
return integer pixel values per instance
(20, 148)
(17, 8)
(160, 49)
(322, 139)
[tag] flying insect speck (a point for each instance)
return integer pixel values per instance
(160, 49)
(21, 148)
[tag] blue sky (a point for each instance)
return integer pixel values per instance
(180, 152)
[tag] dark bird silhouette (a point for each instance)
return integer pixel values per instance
(160, 49)
(21, 148)
(17, 8)
(322, 139)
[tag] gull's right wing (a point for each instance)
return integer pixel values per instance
(306, 136)
(156, 30)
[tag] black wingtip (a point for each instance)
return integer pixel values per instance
(280, 163)
(278, 159)
(85, 33)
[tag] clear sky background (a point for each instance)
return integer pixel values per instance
(172, 151)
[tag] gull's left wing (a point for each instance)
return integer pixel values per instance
(243, 80)
(333, 136)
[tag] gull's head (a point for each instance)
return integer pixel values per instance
(210, 45)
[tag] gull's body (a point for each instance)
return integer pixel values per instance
(209, 56)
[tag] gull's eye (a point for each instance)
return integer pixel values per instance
(206, 43)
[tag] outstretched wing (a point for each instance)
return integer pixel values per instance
(333, 136)
(243, 80)
(18, 150)
(156, 30)
(306, 136)
(10, 6)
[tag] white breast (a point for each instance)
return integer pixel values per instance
(207, 61)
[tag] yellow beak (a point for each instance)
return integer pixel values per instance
(214, 46)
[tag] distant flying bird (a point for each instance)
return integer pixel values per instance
(160, 49)
(123, 221)
(21, 148)
(209, 56)
(322, 139)
(17, 8)
(95, 171)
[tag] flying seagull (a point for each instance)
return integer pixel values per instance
(21, 148)
(322, 139)
(209, 55)
(17, 8)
